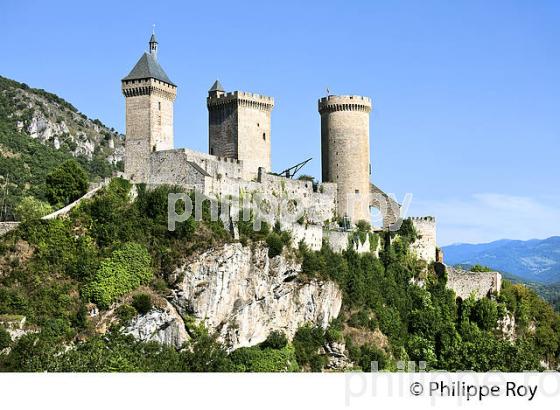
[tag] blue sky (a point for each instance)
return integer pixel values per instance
(465, 94)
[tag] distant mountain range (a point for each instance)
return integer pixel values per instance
(535, 260)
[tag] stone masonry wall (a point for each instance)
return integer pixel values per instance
(425, 246)
(174, 168)
(6, 227)
(239, 128)
(345, 152)
(222, 129)
(149, 123)
(465, 283)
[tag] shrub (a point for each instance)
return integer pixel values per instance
(31, 208)
(307, 342)
(66, 183)
(368, 354)
(421, 349)
(275, 244)
(125, 313)
(275, 340)
(254, 359)
(480, 268)
(246, 226)
(5, 339)
(142, 302)
(80, 321)
(485, 314)
(362, 319)
(126, 269)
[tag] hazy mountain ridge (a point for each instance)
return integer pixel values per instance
(534, 260)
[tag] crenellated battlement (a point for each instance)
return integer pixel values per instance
(333, 103)
(149, 86)
(241, 98)
(423, 219)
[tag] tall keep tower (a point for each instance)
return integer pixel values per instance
(345, 152)
(239, 127)
(149, 113)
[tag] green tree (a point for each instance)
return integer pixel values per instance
(485, 314)
(307, 342)
(5, 339)
(31, 208)
(66, 183)
(126, 269)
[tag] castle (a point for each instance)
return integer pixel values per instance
(239, 158)
(238, 165)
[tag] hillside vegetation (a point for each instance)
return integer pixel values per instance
(116, 248)
(39, 131)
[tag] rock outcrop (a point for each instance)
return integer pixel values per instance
(337, 359)
(506, 325)
(163, 325)
(52, 121)
(244, 295)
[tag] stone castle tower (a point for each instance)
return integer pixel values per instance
(239, 127)
(345, 152)
(149, 113)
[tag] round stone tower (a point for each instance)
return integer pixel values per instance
(345, 152)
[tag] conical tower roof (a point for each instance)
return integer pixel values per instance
(217, 86)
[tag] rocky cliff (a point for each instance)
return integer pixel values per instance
(244, 295)
(38, 132)
(55, 122)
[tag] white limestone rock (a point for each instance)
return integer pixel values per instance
(336, 356)
(163, 325)
(244, 295)
(507, 326)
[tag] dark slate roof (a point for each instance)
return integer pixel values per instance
(217, 86)
(153, 38)
(148, 67)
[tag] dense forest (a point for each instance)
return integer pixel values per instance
(117, 245)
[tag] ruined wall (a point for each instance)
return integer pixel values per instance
(481, 284)
(311, 235)
(387, 206)
(340, 240)
(425, 246)
(6, 227)
(316, 205)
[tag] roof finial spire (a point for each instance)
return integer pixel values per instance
(153, 42)
(216, 87)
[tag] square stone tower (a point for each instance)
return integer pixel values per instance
(239, 127)
(149, 95)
